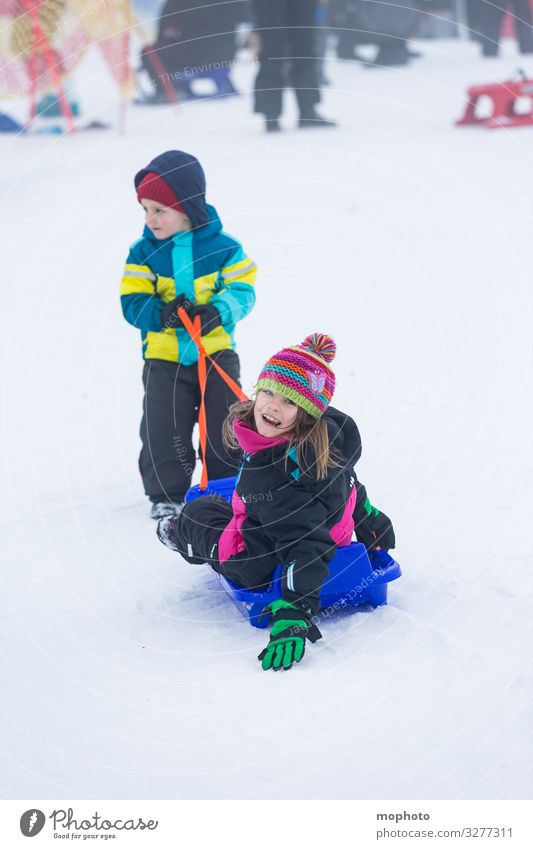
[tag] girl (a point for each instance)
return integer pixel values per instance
(296, 499)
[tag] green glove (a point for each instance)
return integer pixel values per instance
(291, 626)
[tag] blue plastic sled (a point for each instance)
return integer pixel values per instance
(355, 576)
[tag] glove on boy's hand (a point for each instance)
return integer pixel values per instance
(209, 317)
(374, 529)
(169, 314)
(291, 626)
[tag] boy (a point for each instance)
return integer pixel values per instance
(183, 259)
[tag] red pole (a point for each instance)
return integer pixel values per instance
(126, 74)
(159, 69)
(39, 35)
(33, 89)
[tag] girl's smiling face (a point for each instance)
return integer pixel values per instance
(274, 414)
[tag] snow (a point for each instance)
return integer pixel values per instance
(128, 673)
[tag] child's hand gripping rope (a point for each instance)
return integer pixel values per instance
(291, 627)
(209, 315)
(169, 314)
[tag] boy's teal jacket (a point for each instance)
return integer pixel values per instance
(208, 266)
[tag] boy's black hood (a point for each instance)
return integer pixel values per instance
(186, 178)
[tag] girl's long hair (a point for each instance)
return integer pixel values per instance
(309, 437)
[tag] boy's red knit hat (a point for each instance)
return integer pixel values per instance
(153, 187)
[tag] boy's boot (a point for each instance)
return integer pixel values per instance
(166, 529)
(160, 509)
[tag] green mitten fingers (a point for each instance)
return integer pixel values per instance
(290, 629)
(283, 653)
(287, 644)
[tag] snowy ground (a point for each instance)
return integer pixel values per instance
(128, 673)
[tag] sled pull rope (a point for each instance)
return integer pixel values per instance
(194, 329)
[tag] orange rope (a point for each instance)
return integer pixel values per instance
(194, 329)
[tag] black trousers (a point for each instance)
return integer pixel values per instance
(287, 56)
(197, 534)
(488, 18)
(170, 411)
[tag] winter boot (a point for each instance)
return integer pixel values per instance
(160, 509)
(272, 125)
(314, 120)
(166, 530)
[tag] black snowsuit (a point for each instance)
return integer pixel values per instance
(287, 29)
(288, 517)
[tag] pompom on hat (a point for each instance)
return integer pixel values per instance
(302, 373)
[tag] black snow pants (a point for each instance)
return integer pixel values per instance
(170, 411)
(287, 29)
(489, 15)
(197, 534)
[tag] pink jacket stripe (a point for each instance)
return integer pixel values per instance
(231, 541)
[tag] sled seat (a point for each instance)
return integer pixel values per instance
(504, 97)
(355, 575)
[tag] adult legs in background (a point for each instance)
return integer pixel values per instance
(321, 43)
(473, 17)
(303, 69)
(490, 19)
(287, 56)
(271, 78)
(392, 51)
(523, 24)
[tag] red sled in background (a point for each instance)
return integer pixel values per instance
(505, 97)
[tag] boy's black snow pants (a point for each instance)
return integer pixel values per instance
(170, 411)
(198, 530)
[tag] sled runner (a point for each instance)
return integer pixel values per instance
(355, 575)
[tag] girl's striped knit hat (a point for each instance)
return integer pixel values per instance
(302, 373)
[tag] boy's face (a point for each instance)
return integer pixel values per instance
(164, 221)
(274, 414)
